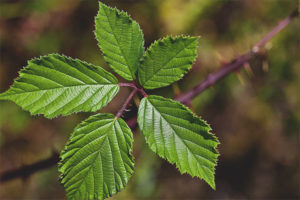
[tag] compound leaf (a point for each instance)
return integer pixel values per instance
(57, 85)
(97, 161)
(120, 39)
(176, 134)
(166, 61)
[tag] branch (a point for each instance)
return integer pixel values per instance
(126, 103)
(132, 85)
(235, 64)
(211, 79)
(27, 170)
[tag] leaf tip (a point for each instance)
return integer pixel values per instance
(212, 185)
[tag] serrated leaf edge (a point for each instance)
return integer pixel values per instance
(127, 15)
(213, 186)
(82, 124)
(3, 95)
(170, 37)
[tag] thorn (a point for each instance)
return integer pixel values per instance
(255, 49)
(221, 59)
(248, 69)
(265, 66)
(240, 77)
(268, 46)
(136, 100)
(176, 89)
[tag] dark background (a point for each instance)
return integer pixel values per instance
(254, 113)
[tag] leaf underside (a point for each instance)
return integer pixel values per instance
(120, 39)
(56, 85)
(166, 61)
(176, 134)
(97, 161)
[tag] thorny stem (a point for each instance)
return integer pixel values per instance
(126, 103)
(235, 64)
(210, 80)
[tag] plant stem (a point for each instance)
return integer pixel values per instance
(126, 103)
(211, 79)
(127, 85)
(132, 85)
(235, 64)
(27, 170)
(143, 92)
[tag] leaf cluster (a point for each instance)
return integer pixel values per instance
(97, 161)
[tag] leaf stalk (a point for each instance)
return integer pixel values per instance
(132, 85)
(129, 98)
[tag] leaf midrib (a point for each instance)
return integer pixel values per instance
(56, 88)
(111, 123)
(182, 140)
(73, 193)
(124, 55)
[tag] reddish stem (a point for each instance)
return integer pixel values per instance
(132, 85)
(126, 103)
(127, 85)
(143, 92)
(235, 64)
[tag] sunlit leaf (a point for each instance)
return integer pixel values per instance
(97, 161)
(120, 39)
(55, 85)
(176, 134)
(166, 61)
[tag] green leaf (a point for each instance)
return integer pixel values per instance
(176, 134)
(120, 39)
(97, 161)
(166, 61)
(57, 85)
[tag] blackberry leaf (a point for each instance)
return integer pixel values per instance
(56, 85)
(97, 161)
(120, 39)
(166, 61)
(176, 134)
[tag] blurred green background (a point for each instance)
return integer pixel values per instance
(255, 114)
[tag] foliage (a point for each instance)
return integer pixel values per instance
(178, 55)
(175, 133)
(97, 161)
(120, 39)
(57, 85)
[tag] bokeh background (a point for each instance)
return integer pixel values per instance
(255, 113)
